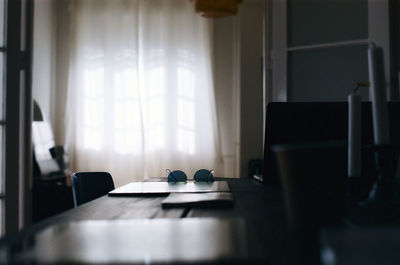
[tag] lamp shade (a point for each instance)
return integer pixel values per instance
(37, 113)
(216, 9)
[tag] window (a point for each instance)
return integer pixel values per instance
(320, 48)
(3, 53)
(141, 90)
(15, 114)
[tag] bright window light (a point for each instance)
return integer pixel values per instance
(127, 123)
(93, 108)
(156, 108)
(186, 114)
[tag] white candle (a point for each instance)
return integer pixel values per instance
(354, 147)
(398, 79)
(377, 93)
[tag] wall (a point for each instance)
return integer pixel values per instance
(395, 16)
(62, 67)
(44, 45)
(251, 83)
(50, 67)
(326, 73)
(238, 46)
(225, 91)
(397, 33)
(325, 48)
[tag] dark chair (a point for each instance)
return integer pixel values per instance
(50, 193)
(49, 160)
(87, 186)
(306, 122)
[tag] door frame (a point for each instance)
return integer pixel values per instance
(378, 30)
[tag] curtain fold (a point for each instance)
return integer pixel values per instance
(140, 90)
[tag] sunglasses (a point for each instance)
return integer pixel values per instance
(201, 175)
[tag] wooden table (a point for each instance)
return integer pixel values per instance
(261, 208)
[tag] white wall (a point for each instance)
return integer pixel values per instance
(225, 91)
(251, 84)
(50, 64)
(238, 81)
(62, 68)
(43, 70)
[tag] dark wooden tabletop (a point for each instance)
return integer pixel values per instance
(261, 207)
(258, 211)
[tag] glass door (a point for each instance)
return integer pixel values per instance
(319, 48)
(327, 45)
(3, 56)
(15, 114)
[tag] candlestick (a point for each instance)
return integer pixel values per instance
(354, 136)
(398, 79)
(378, 96)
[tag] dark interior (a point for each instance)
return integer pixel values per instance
(309, 122)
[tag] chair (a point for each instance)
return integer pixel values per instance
(50, 193)
(49, 160)
(87, 186)
(305, 122)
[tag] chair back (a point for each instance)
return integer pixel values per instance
(87, 186)
(42, 141)
(306, 122)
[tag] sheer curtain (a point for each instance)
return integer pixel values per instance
(140, 90)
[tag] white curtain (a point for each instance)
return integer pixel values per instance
(140, 90)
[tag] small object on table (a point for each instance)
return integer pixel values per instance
(382, 190)
(354, 150)
(258, 177)
(204, 175)
(176, 176)
(135, 188)
(385, 188)
(198, 199)
(354, 170)
(201, 175)
(378, 96)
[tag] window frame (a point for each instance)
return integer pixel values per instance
(18, 116)
(378, 31)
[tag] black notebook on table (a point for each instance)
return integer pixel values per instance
(198, 199)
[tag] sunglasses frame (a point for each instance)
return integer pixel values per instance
(182, 177)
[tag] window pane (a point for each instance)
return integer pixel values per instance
(2, 155)
(1, 217)
(316, 21)
(2, 87)
(2, 18)
(23, 25)
(327, 74)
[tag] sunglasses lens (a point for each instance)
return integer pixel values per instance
(177, 176)
(203, 175)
